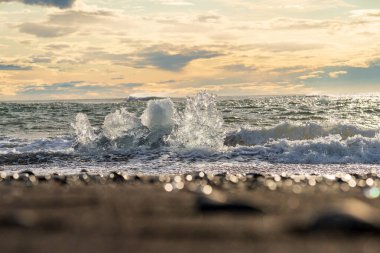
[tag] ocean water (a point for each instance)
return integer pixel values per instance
(267, 134)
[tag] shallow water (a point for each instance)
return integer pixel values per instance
(308, 134)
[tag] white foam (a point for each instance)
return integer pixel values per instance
(120, 123)
(200, 125)
(331, 149)
(198, 132)
(159, 115)
(292, 131)
(84, 131)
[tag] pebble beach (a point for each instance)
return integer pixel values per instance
(120, 212)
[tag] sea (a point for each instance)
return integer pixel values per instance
(238, 135)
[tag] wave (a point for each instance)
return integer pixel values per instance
(198, 126)
(292, 131)
(165, 134)
(331, 149)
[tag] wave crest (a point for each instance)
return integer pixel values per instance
(291, 131)
(200, 126)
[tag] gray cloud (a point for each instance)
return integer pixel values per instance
(74, 87)
(57, 46)
(13, 67)
(44, 30)
(156, 56)
(130, 85)
(211, 18)
(62, 4)
(173, 62)
(41, 59)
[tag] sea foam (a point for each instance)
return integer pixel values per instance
(199, 126)
(164, 133)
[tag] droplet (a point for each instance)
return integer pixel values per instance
(271, 184)
(168, 187)
(179, 185)
(352, 183)
(372, 193)
(3, 175)
(207, 189)
(177, 179)
(312, 182)
(297, 189)
(369, 182)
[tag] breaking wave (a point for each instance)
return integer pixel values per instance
(331, 149)
(292, 131)
(198, 126)
(166, 133)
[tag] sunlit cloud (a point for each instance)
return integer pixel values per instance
(45, 31)
(336, 74)
(177, 47)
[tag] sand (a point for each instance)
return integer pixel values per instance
(120, 213)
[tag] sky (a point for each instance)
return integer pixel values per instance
(82, 49)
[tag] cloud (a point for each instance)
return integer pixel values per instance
(62, 4)
(57, 46)
(75, 87)
(72, 17)
(312, 75)
(41, 59)
(336, 74)
(49, 88)
(173, 62)
(44, 30)
(64, 23)
(292, 69)
(130, 85)
(238, 68)
(59, 88)
(288, 46)
(348, 76)
(209, 18)
(13, 67)
(173, 2)
(289, 5)
(367, 13)
(97, 54)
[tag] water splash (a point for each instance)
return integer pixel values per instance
(159, 117)
(200, 125)
(122, 129)
(85, 133)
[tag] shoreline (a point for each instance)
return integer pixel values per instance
(212, 168)
(213, 213)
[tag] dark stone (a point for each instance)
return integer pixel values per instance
(60, 179)
(339, 222)
(208, 205)
(116, 177)
(27, 172)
